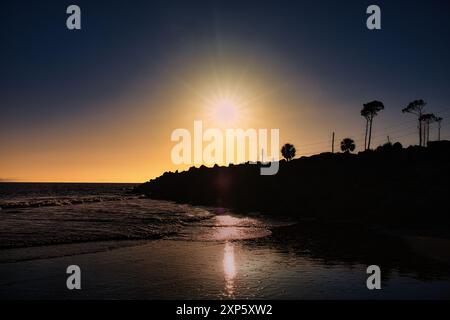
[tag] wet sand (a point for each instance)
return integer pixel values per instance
(169, 269)
(432, 247)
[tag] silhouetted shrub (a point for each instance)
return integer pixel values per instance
(348, 145)
(288, 151)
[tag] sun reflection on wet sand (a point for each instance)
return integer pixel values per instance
(229, 268)
(228, 228)
(227, 220)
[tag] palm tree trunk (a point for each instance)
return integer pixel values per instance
(370, 133)
(365, 136)
(420, 132)
(424, 139)
(424, 134)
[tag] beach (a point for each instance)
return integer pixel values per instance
(167, 269)
(129, 247)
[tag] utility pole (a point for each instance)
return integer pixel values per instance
(389, 140)
(332, 144)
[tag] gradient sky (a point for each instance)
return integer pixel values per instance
(100, 104)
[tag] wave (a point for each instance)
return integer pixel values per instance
(61, 201)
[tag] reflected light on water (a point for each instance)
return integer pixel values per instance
(227, 220)
(226, 228)
(229, 268)
(232, 228)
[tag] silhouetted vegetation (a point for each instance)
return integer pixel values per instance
(387, 147)
(416, 107)
(348, 145)
(384, 186)
(370, 111)
(288, 151)
(427, 119)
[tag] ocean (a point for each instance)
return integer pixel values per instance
(131, 247)
(42, 214)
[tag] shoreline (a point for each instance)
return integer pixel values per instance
(54, 251)
(311, 259)
(429, 244)
(245, 269)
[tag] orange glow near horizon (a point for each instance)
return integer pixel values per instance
(130, 141)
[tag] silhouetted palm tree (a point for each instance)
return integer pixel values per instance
(288, 151)
(348, 145)
(416, 107)
(369, 111)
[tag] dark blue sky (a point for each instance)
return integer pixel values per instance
(40, 59)
(49, 74)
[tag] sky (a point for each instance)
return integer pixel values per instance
(99, 104)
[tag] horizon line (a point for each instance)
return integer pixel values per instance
(72, 182)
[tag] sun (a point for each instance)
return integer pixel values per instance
(225, 101)
(225, 111)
